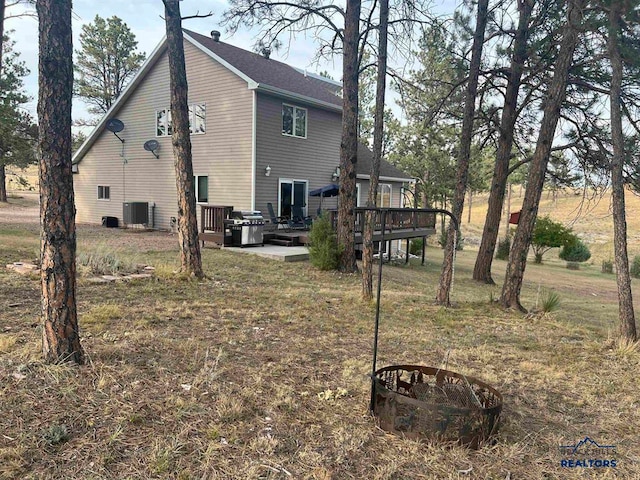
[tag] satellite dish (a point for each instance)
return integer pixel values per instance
(114, 125)
(152, 146)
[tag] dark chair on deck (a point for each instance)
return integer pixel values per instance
(276, 221)
(298, 220)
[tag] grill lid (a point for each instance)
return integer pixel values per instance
(247, 215)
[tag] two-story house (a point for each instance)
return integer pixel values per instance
(261, 132)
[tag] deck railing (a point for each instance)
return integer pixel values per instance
(212, 217)
(397, 219)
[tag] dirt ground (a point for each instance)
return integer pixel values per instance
(23, 212)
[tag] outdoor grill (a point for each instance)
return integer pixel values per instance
(246, 227)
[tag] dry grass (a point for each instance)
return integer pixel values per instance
(229, 377)
(590, 217)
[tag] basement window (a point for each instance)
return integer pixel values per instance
(104, 192)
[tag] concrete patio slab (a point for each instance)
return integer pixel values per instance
(275, 252)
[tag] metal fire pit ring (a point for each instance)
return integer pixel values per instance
(421, 402)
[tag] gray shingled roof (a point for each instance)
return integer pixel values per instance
(365, 158)
(269, 72)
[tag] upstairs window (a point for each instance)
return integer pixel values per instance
(197, 117)
(163, 123)
(197, 120)
(294, 121)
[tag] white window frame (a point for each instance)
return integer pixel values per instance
(196, 189)
(103, 199)
(192, 122)
(192, 117)
(358, 204)
(293, 124)
(166, 125)
(292, 181)
(380, 185)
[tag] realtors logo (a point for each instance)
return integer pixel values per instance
(587, 453)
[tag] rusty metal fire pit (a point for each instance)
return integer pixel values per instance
(435, 404)
(431, 403)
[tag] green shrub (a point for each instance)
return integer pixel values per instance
(575, 251)
(415, 246)
(550, 302)
(635, 267)
(442, 241)
(323, 245)
(607, 266)
(548, 234)
(504, 246)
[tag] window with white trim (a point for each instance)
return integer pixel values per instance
(294, 121)
(104, 192)
(197, 120)
(384, 195)
(202, 188)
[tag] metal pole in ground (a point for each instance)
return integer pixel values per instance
(383, 221)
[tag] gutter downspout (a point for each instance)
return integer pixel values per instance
(253, 151)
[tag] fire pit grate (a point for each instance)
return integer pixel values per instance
(427, 402)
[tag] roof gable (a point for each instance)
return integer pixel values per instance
(265, 75)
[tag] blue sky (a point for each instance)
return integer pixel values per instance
(144, 19)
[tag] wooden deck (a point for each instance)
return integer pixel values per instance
(212, 219)
(401, 224)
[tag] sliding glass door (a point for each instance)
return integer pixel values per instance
(292, 192)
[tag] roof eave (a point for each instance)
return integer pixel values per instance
(146, 66)
(363, 176)
(261, 87)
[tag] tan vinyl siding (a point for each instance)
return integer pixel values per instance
(396, 192)
(313, 158)
(223, 153)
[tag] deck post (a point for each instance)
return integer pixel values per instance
(424, 246)
(406, 258)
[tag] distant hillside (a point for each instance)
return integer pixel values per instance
(19, 179)
(590, 218)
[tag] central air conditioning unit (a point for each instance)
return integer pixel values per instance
(135, 213)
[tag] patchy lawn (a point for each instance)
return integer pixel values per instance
(220, 378)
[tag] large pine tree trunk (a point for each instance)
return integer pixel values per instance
(2, 4)
(60, 338)
(187, 220)
(378, 134)
(482, 268)
(625, 300)
(522, 239)
(3, 184)
(444, 287)
(3, 179)
(349, 144)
